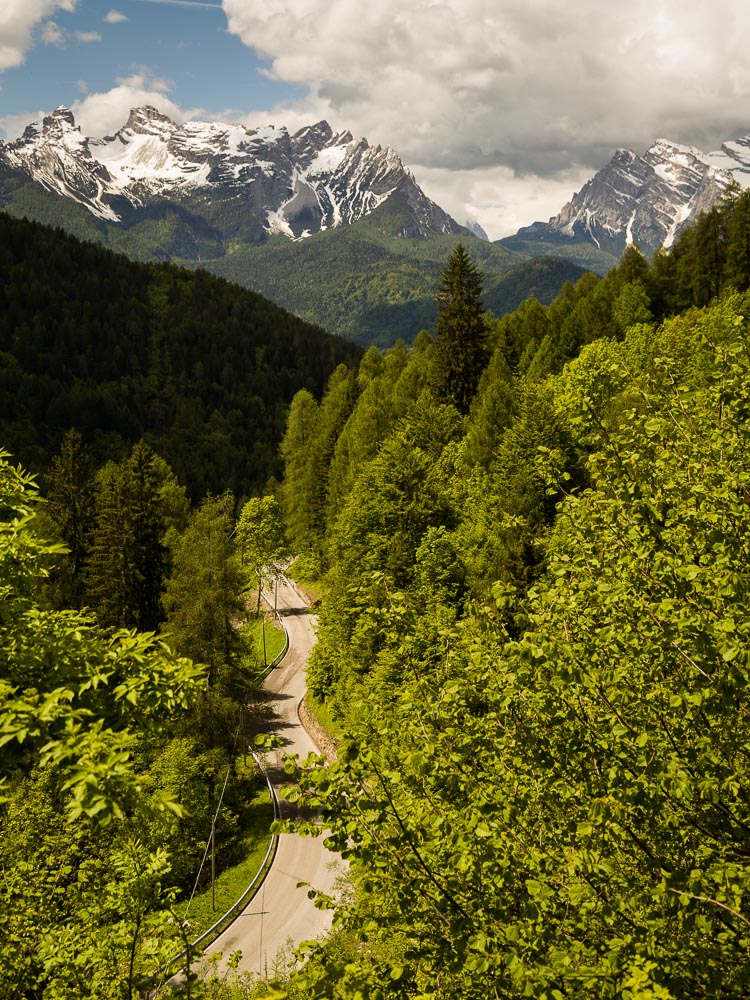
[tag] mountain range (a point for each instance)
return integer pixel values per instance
(643, 199)
(270, 181)
(332, 228)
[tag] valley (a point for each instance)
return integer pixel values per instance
(519, 490)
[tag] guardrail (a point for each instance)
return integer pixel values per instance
(279, 656)
(176, 964)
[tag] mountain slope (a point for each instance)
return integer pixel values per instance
(374, 289)
(327, 226)
(121, 350)
(644, 199)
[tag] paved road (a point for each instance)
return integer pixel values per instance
(280, 916)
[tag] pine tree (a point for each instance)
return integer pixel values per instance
(70, 499)
(459, 354)
(125, 567)
(202, 596)
(297, 489)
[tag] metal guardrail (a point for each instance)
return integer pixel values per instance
(279, 656)
(177, 963)
(234, 909)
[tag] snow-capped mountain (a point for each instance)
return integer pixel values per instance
(262, 179)
(644, 199)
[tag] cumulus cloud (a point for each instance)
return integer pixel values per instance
(88, 36)
(115, 17)
(18, 18)
(535, 87)
(52, 34)
(498, 198)
(102, 113)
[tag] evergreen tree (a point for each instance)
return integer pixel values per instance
(125, 568)
(738, 243)
(70, 498)
(297, 489)
(459, 354)
(260, 533)
(203, 593)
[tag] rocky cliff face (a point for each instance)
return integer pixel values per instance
(644, 199)
(266, 179)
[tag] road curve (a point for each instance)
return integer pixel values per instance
(280, 916)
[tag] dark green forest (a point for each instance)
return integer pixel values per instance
(367, 282)
(531, 535)
(201, 369)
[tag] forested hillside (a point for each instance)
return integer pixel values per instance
(375, 287)
(532, 538)
(367, 282)
(202, 369)
(534, 638)
(122, 751)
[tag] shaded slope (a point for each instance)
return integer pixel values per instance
(203, 369)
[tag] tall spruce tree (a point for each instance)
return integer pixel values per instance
(459, 354)
(125, 567)
(202, 598)
(70, 499)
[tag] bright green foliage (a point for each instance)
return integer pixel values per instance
(371, 420)
(399, 496)
(77, 704)
(549, 797)
(308, 448)
(460, 352)
(70, 691)
(296, 448)
(261, 538)
(202, 598)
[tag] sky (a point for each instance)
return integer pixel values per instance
(502, 109)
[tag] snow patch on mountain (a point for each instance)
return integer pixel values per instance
(647, 199)
(292, 184)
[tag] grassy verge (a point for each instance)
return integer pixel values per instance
(322, 714)
(253, 640)
(304, 572)
(232, 882)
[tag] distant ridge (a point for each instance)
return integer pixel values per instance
(324, 224)
(295, 185)
(643, 199)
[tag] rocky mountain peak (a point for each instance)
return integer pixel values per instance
(61, 117)
(148, 120)
(641, 198)
(263, 179)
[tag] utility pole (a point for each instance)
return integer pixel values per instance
(213, 864)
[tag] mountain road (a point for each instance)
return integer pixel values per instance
(280, 916)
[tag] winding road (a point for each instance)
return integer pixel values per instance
(280, 916)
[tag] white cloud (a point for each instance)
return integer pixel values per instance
(13, 125)
(52, 34)
(18, 18)
(88, 36)
(115, 17)
(83, 87)
(537, 87)
(103, 113)
(498, 198)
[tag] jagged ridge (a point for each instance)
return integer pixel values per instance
(644, 199)
(296, 184)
